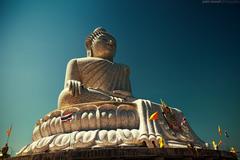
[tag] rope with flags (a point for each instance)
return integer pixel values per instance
(220, 133)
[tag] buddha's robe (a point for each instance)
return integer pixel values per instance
(100, 74)
(102, 80)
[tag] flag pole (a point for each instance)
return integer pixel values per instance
(7, 140)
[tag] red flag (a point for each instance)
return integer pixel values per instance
(220, 143)
(184, 121)
(8, 132)
(154, 116)
(66, 117)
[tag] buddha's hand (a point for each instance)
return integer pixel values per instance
(75, 87)
(121, 94)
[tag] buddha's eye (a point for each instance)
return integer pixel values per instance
(105, 39)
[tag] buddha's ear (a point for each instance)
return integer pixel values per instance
(88, 43)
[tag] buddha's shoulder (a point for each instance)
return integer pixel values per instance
(86, 60)
(92, 60)
(81, 62)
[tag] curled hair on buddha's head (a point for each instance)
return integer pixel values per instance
(99, 31)
(88, 42)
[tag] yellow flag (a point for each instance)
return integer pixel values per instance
(214, 145)
(161, 142)
(232, 150)
(219, 131)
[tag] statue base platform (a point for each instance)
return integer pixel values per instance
(131, 153)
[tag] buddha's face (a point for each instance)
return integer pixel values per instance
(104, 46)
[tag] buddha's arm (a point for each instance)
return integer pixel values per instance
(72, 72)
(72, 78)
(74, 92)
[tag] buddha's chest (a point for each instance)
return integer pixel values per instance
(104, 76)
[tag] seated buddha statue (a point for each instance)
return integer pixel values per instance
(95, 77)
(97, 109)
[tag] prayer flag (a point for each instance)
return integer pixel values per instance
(220, 143)
(66, 117)
(214, 145)
(154, 116)
(161, 142)
(8, 132)
(219, 131)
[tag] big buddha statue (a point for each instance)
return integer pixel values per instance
(96, 108)
(95, 77)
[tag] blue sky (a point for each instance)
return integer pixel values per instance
(185, 52)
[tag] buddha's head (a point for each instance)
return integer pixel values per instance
(101, 44)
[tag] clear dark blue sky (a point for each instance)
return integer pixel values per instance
(186, 52)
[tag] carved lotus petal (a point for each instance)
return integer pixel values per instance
(44, 129)
(43, 144)
(104, 120)
(92, 120)
(36, 133)
(89, 136)
(22, 150)
(153, 139)
(84, 120)
(79, 136)
(144, 138)
(103, 135)
(52, 126)
(58, 125)
(62, 140)
(127, 134)
(29, 148)
(112, 138)
(135, 133)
